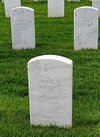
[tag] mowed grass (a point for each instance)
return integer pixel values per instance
(53, 36)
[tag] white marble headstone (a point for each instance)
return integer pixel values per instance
(86, 28)
(55, 8)
(50, 90)
(37, 0)
(10, 4)
(96, 4)
(73, 0)
(23, 28)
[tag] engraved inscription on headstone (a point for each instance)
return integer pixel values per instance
(86, 28)
(23, 28)
(10, 4)
(50, 90)
(55, 8)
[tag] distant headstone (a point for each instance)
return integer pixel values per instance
(86, 28)
(50, 90)
(73, 0)
(55, 8)
(23, 28)
(37, 0)
(10, 4)
(96, 4)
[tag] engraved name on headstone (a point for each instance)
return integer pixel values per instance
(86, 28)
(23, 28)
(50, 90)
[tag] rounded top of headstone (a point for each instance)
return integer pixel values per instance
(23, 8)
(51, 57)
(86, 7)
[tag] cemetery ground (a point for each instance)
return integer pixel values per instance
(53, 36)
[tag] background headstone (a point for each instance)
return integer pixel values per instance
(73, 0)
(55, 8)
(35, 0)
(96, 4)
(23, 28)
(85, 28)
(10, 4)
(50, 90)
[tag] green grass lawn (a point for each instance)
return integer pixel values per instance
(53, 36)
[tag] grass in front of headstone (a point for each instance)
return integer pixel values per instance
(53, 36)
